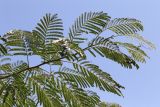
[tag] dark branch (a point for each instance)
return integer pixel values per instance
(29, 68)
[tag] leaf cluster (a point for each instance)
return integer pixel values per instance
(67, 86)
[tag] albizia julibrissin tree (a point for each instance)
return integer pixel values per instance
(67, 85)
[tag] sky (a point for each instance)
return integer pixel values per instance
(141, 86)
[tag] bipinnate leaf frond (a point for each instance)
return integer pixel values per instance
(49, 28)
(90, 75)
(106, 48)
(125, 26)
(19, 42)
(49, 92)
(13, 89)
(136, 52)
(88, 22)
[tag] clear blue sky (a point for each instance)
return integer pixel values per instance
(142, 86)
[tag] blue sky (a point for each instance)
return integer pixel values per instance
(142, 86)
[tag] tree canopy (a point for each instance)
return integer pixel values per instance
(22, 84)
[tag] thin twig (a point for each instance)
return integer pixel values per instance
(29, 68)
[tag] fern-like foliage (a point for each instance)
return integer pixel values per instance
(13, 90)
(90, 75)
(125, 26)
(47, 32)
(57, 93)
(91, 22)
(68, 84)
(49, 28)
(18, 42)
(135, 51)
(106, 48)
(3, 49)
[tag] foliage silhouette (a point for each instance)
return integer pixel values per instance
(29, 86)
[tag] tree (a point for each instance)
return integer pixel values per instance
(23, 84)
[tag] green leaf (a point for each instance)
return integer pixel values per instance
(135, 51)
(42, 96)
(19, 42)
(90, 75)
(107, 48)
(49, 28)
(125, 26)
(91, 22)
(3, 50)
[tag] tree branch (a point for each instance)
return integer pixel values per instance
(29, 68)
